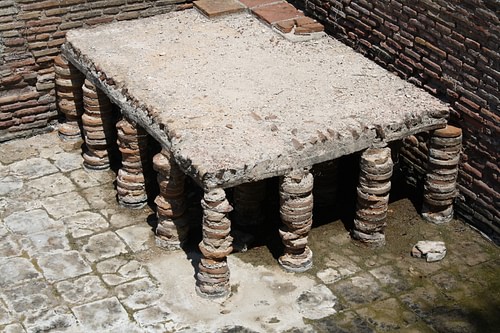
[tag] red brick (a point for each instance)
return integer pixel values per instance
(278, 12)
(214, 8)
(285, 26)
(257, 3)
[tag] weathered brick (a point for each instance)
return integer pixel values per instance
(40, 5)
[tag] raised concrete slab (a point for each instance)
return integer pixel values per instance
(235, 102)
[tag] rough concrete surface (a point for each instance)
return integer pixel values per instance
(234, 101)
(60, 274)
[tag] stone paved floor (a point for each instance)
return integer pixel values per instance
(72, 260)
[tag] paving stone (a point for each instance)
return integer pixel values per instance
(346, 322)
(14, 328)
(338, 267)
(118, 270)
(449, 319)
(16, 270)
(32, 168)
(10, 185)
(277, 12)
(31, 298)
(445, 281)
(9, 245)
(11, 152)
(100, 197)
(389, 278)
(388, 315)
(48, 186)
(102, 316)
(137, 237)
(47, 241)
(86, 179)
(3, 230)
(59, 319)
(82, 290)
(85, 223)
(103, 246)
(66, 162)
(359, 289)
(123, 219)
(214, 8)
(138, 294)
(421, 300)
(5, 316)
(475, 254)
(33, 221)
(317, 302)
(153, 315)
(65, 204)
(63, 265)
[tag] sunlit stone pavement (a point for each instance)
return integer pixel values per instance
(73, 260)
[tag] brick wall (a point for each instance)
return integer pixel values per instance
(31, 32)
(451, 49)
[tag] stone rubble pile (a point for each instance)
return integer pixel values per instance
(430, 250)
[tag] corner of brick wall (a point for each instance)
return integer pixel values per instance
(451, 49)
(31, 33)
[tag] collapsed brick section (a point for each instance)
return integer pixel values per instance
(449, 48)
(31, 32)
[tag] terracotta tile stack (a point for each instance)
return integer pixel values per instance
(98, 128)
(130, 182)
(213, 277)
(373, 196)
(172, 228)
(296, 205)
(69, 81)
(440, 187)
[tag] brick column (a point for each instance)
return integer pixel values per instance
(373, 196)
(213, 276)
(172, 227)
(248, 212)
(98, 128)
(130, 182)
(296, 205)
(69, 94)
(440, 187)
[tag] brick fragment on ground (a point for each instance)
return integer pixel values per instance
(214, 8)
(258, 3)
(278, 12)
(285, 26)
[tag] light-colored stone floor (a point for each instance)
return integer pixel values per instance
(73, 260)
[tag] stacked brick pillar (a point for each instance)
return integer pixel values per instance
(373, 196)
(98, 127)
(172, 228)
(130, 182)
(69, 81)
(213, 275)
(296, 204)
(440, 187)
